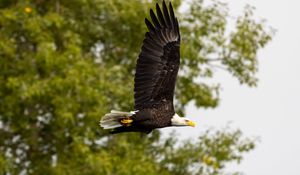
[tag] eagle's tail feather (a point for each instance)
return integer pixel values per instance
(116, 119)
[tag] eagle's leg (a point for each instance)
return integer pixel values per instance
(126, 121)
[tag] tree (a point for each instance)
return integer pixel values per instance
(64, 65)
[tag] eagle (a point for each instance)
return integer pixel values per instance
(155, 78)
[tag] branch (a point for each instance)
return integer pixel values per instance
(213, 59)
(217, 66)
(57, 6)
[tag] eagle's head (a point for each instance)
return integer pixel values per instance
(181, 121)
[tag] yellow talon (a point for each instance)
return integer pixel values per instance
(126, 121)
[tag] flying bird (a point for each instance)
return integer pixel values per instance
(155, 78)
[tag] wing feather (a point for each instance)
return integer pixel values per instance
(160, 16)
(154, 19)
(166, 15)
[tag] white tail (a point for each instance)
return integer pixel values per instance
(112, 119)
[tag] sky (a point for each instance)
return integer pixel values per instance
(270, 111)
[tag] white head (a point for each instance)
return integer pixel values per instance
(181, 121)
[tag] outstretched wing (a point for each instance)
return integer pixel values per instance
(158, 62)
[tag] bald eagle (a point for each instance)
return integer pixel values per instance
(155, 78)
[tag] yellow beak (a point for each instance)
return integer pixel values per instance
(191, 123)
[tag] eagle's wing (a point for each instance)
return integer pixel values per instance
(158, 62)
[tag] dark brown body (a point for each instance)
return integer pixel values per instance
(145, 120)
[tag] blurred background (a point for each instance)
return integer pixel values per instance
(64, 65)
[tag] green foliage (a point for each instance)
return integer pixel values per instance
(207, 155)
(64, 65)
